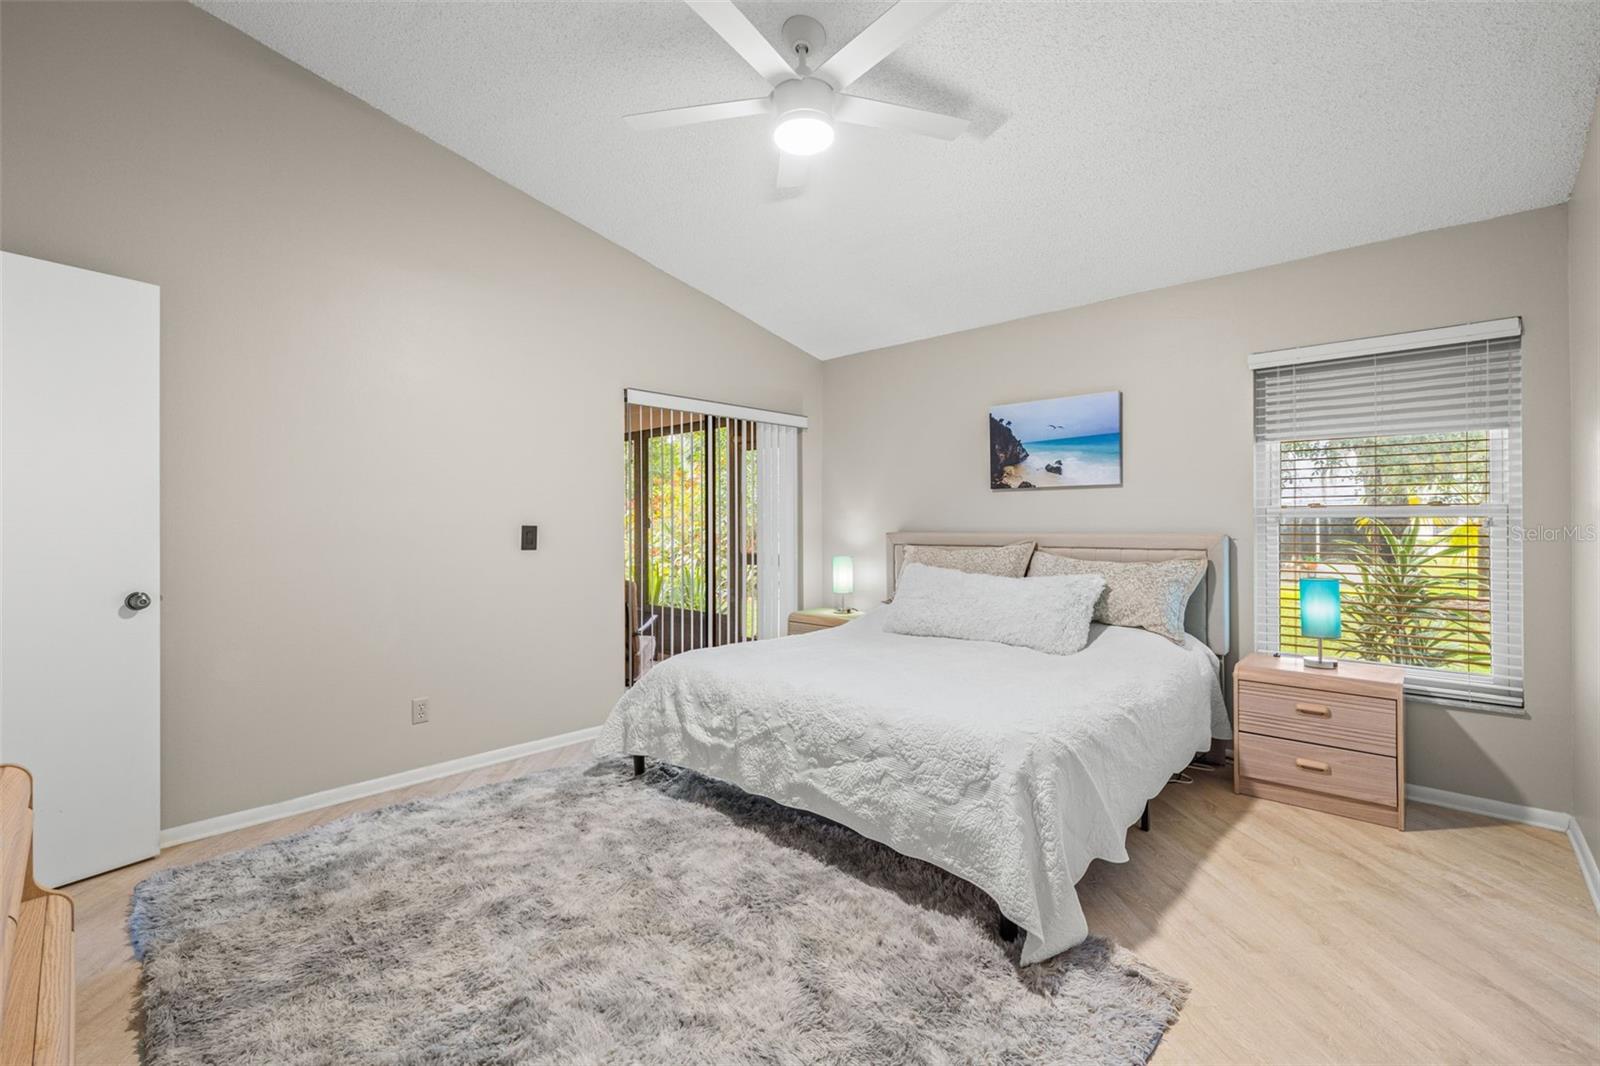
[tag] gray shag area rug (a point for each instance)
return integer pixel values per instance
(584, 915)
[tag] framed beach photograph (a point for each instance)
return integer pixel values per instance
(1065, 443)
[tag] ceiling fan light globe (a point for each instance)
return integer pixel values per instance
(803, 134)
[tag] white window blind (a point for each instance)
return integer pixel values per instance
(710, 525)
(1399, 473)
(778, 526)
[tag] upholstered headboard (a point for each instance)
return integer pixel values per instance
(1210, 608)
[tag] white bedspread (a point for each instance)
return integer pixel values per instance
(1010, 768)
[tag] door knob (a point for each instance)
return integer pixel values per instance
(137, 601)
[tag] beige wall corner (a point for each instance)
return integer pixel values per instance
(907, 439)
(378, 362)
(1583, 296)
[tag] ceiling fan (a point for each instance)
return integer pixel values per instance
(807, 102)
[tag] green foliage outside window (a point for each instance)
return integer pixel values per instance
(1415, 588)
(686, 550)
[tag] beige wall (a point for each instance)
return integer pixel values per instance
(378, 362)
(907, 438)
(1583, 294)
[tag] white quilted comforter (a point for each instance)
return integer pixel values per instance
(1010, 768)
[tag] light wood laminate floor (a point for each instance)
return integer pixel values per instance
(1306, 937)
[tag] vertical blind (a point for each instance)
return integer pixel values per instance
(710, 525)
(1400, 473)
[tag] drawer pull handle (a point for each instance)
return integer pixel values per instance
(1312, 764)
(1318, 709)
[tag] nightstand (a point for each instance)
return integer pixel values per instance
(1330, 740)
(820, 618)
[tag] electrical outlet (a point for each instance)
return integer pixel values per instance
(419, 712)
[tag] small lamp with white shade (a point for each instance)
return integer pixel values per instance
(844, 581)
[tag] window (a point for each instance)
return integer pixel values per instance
(709, 528)
(1395, 465)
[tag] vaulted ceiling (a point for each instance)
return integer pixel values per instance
(1113, 148)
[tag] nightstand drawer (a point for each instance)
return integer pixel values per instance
(796, 628)
(1360, 723)
(1353, 775)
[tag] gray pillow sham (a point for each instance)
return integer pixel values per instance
(1007, 560)
(1153, 595)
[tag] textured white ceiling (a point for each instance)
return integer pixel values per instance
(1116, 147)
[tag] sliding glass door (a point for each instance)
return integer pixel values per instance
(693, 541)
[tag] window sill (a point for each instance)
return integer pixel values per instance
(1507, 709)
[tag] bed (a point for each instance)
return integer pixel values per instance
(1008, 767)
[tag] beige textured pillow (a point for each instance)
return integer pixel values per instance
(1153, 596)
(1008, 560)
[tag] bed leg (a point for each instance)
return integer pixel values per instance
(638, 765)
(1144, 819)
(1008, 929)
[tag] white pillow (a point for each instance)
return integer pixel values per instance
(1048, 614)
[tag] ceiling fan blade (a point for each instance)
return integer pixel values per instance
(689, 116)
(868, 48)
(864, 112)
(792, 171)
(744, 38)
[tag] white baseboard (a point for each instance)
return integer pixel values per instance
(223, 823)
(1508, 812)
(1586, 863)
(1516, 812)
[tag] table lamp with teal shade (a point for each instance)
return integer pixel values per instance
(1319, 616)
(844, 580)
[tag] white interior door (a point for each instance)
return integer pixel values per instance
(80, 666)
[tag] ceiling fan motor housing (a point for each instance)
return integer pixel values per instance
(800, 96)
